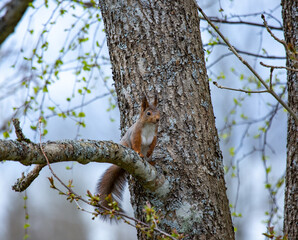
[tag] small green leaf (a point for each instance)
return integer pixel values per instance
(83, 40)
(5, 135)
(45, 131)
(232, 151)
(268, 170)
(263, 129)
(63, 115)
(81, 114)
(237, 102)
(30, 4)
(82, 124)
(221, 76)
(280, 183)
(62, 11)
(36, 89)
(243, 116)
(224, 136)
(58, 63)
(26, 225)
(257, 136)
(33, 127)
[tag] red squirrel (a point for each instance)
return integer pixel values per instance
(142, 138)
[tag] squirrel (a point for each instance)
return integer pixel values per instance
(142, 138)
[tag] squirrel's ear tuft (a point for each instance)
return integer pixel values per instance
(155, 100)
(145, 104)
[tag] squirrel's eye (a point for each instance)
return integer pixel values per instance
(148, 113)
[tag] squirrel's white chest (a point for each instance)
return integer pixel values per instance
(148, 133)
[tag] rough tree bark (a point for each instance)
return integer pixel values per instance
(83, 151)
(289, 14)
(155, 48)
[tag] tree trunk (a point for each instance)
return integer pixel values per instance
(155, 48)
(15, 10)
(289, 14)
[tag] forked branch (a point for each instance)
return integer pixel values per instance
(231, 48)
(86, 151)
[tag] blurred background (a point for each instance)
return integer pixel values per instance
(56, 65)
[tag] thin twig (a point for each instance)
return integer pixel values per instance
(122, 215)
(239, 90)
(247, 65)
(216, 19)
(254, 54)
(270, 79)
(75, 107)
(242, 52)
(48, 162)
(20, 135)
(24, 182)
(80, 208)
(283, 42)
(239, 16)
(279, 67)
(26, 215)
(271, 33)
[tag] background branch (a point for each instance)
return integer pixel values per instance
(253, 54)
(231, 48)
(219, 20)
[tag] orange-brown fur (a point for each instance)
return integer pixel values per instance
(114, 179)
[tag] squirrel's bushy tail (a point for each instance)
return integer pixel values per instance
(112, 182)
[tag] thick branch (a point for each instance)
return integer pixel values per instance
(86, 151)
(14, 13)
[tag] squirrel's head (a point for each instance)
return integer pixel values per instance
(149, 112)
